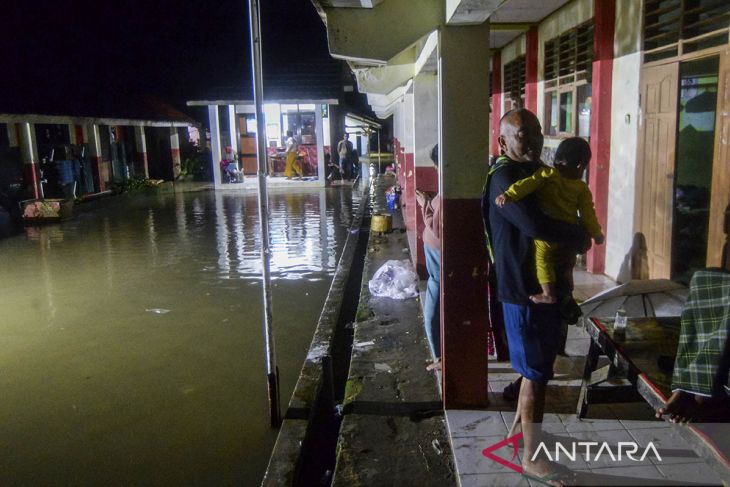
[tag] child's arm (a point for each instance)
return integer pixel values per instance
(588, 215)
(524, 187)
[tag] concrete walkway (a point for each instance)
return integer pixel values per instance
(473, 431)
(393, 431)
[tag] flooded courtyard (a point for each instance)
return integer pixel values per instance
(132, 340)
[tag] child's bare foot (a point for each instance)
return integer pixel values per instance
(542, 299)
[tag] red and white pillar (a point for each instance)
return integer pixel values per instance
(463, 60)
(92, 135)
(604, 18)
(141, 143)
(408, 184)
(175, 151)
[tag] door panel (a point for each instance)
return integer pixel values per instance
(655, 165)
(721, 168)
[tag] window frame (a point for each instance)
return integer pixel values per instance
(571, 53)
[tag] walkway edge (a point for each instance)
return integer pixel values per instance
(285, 458)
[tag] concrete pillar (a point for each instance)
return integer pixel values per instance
(425, 135)
(92, 132)
(463, 57)
(12, 130)
(319, 131)
(215, 145)
(141, 143)
(408, 195)
(29, 155)
(175, 151)
(233, 128)
(496, 102)
(531, 54)
(604, 17)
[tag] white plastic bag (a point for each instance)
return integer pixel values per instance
(395, 279)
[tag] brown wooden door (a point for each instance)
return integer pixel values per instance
(720, 193)
(655, 164)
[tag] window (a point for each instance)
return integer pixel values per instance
(514, 83)
(568, 64)
(676, 27)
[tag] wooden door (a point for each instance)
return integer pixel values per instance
(720, 192)
(655, 164)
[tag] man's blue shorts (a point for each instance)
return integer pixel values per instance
(533, 334)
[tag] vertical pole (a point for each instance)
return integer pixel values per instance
(175, 153)
(531, 40)
(272, 371)
(319, 134)
(141, 141)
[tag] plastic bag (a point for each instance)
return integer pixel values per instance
(395, 279)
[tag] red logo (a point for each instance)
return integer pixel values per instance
(512, 440)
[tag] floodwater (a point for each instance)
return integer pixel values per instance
(131, 340)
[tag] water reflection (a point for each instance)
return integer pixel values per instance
(132, 341)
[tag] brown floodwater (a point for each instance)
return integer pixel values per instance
(131, 340)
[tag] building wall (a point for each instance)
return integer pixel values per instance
(624, 136)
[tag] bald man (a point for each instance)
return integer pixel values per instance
(533, 330)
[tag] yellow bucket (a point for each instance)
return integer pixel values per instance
(381, 223)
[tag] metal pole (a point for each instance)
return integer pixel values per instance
(272, 371)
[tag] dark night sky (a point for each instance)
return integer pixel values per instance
(171, 48)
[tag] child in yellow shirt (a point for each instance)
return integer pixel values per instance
(562, 195)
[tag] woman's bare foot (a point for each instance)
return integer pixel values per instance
(436, 365)
(542, 299)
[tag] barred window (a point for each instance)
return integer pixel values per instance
(514, 82)
(567, 70)
(676, 27)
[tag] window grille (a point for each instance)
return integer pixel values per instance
(514, 80)
(675, 27)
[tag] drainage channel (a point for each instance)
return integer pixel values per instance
(319, 449)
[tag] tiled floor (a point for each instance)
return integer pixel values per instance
(473, 431)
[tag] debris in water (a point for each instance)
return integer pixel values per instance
(437, 446)
(159, 311)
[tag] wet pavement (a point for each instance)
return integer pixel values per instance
(132, 346)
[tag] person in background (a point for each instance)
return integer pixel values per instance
(292, 151)
(344, 150)
(431, 207)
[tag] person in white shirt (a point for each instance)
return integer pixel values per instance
(292, 151)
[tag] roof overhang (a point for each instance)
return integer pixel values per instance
(237, 101)
(62, 119)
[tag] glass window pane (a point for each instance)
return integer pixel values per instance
(566, 112)
(584, 110)
(551, 113)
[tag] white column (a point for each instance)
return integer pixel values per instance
(175, 151)
(29, 154)
(425, 117)
(12, 130)
(319, 131)
(141, 142)
(215, 144)
(233, 128)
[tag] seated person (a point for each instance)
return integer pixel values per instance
(700, 377)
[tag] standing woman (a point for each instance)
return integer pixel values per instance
(431, 207)
(292, 151)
